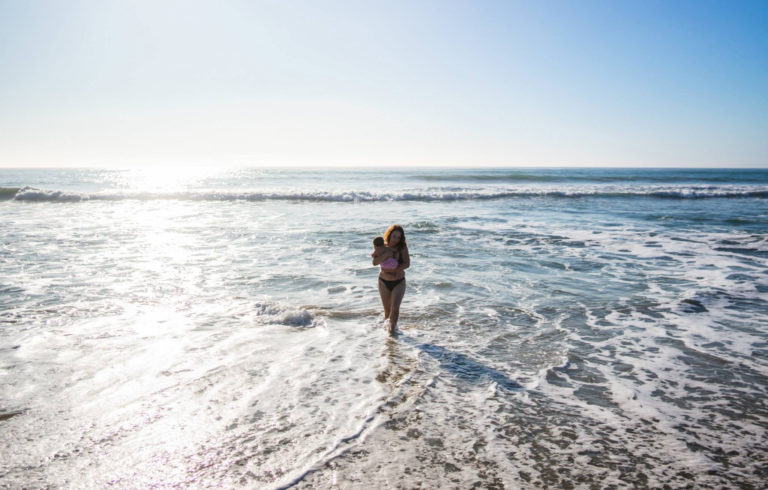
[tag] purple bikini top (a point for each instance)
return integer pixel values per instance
(390, 263)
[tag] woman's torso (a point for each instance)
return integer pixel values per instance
(392, 275)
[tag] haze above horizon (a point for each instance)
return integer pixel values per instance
(363, 84)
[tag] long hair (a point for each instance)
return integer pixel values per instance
(389, 231)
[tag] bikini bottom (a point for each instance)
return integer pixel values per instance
(391, 284)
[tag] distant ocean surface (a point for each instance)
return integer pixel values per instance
(561, 328)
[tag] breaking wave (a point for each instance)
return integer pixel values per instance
(33, 194)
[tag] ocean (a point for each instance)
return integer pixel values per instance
(561, 328)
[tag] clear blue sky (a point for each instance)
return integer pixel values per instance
(470, 83)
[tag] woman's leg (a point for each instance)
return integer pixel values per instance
(386, 298)
(394, 312)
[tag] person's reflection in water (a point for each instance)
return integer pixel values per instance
(396, 367)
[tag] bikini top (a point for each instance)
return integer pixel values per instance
(390, 263)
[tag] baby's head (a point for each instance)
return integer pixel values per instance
(378, 242)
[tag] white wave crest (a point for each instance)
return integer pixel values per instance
(428, 194)
(28, 193)
(270, 313)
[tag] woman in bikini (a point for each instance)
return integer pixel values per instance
(392, 280)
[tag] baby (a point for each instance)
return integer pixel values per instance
(380, 250)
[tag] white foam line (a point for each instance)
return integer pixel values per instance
(28, 193)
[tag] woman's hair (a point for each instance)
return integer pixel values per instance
(402, 236)
(378, 242)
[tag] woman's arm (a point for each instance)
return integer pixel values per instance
(405, 259)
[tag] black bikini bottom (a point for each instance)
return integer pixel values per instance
(391, 284)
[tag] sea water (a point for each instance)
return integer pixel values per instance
(561, 328)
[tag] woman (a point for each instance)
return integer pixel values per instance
(392, 281)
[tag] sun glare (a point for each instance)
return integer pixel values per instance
(166, 179)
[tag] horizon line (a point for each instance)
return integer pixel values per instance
(380, 167)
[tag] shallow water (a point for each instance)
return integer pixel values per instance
(561, 328)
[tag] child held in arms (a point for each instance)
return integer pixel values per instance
(380, 250)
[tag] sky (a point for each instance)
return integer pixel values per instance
(372, 84)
